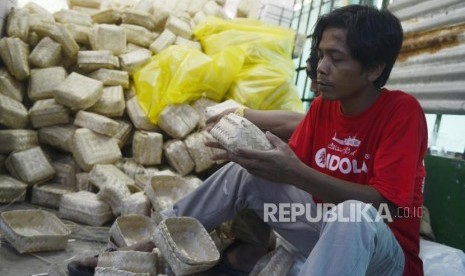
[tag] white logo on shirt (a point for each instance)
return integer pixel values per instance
(351, 141)
(334, 163)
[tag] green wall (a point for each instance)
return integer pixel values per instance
(445, 199)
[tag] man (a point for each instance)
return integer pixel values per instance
(359, 145)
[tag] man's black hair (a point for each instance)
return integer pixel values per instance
(373, 36)
(312, 60)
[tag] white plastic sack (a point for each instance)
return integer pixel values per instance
(440, 259)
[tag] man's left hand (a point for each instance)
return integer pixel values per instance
(279, 164)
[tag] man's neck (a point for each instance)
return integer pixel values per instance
(362, 101)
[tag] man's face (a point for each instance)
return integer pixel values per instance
(340, 76)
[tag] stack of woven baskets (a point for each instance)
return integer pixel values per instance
(68, 105)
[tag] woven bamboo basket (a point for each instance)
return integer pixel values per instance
(109, 16)
(138, 116)
(131, 229)
(165, 190)
(114, 196)
(139, 35)
(18, 24)
(275, 263)
(130, 167)
(233, 131)
(90, 148)
(73, 16)
(112, 103)
(142, 180)
(108, 271)
(66, 169)
(57, 136)
(47, 53)
(214, 151)
(179, 27)
(14, 53)
(48, 113)
(139, 18)
(30, 166)
(13, 114)
(217, 109)
(201, 154)
(193, 181)
(123, 133)
(80, 33)
(96, 122)
(189, 43)
(112, 184)
(33, 230)
(109, 175)
(111, 77)
(186, 245)
(43, 81)
(164, 40)
(58, 33)
(78, 91)
(137, 203)
(82, 182)
(11, 189)
(49, 195)
(10, 86)
(131, 261)
(17, 140)
(147, 147)
(134, 60)
(128, 95)
(178, 157)
(178, 120)
(93, 60)
(108, 37)
(85, 207)
(200, 106)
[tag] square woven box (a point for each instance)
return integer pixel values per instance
(186, 245)
(131, 229)
(33, 230)
(85, 207)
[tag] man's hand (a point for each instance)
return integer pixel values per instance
(278, 164)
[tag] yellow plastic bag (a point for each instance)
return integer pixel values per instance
(180, 74)
(217, 34)
(266, 79)
(265, 86)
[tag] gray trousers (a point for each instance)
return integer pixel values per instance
(365, 247)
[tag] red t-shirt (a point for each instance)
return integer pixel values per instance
(383, 147)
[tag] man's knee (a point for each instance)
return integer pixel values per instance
(353, 211)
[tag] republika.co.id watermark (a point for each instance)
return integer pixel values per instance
(329, 212)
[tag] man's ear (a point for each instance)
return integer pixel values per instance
(375, 71)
